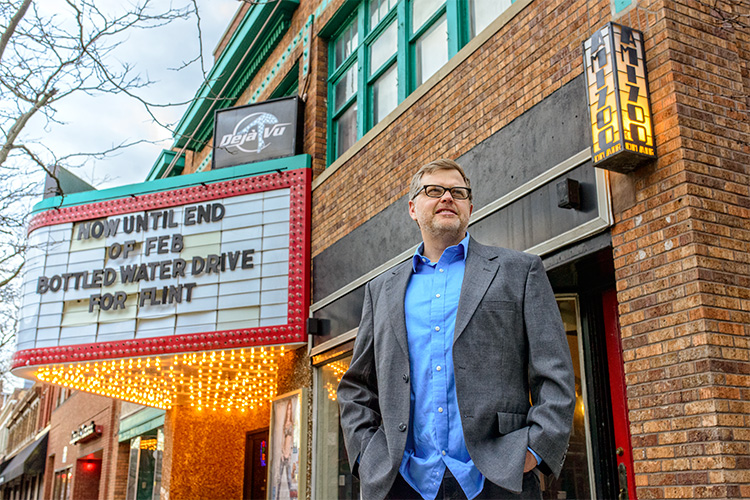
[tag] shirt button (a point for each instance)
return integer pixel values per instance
(441, 269)
(443, 452)
(440, 410)
(438, 368)
(437, 328)
(437, 295)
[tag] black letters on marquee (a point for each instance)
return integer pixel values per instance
(149, 271)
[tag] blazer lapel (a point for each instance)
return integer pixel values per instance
(396, 294)
(481, 268)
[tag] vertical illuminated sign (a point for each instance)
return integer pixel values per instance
(617, 91)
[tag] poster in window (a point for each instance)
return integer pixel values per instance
(288, 447)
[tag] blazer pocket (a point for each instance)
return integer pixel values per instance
(509, 422)
(371, 444)
(494, 305)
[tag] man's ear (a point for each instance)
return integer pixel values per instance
(413, 211)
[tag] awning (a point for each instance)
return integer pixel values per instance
(29, 460)
(140, 423)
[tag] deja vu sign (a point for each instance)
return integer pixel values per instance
(256, 132)
(618, 97)
(222, 264)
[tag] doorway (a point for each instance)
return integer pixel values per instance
(256, 470)
(589, 282)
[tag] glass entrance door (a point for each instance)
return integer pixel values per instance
(576, 479)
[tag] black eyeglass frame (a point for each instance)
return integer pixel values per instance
(443, 190)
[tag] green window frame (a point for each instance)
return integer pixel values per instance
(388, 48)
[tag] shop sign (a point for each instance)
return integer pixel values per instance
(206, 267)
(256, 132)
(85, 433)
(618, 98)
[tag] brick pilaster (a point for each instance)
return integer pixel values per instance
(682, 262)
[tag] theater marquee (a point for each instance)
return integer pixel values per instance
(130, 296)
(618, 96)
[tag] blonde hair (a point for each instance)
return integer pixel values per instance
(442, 164)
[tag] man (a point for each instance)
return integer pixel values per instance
(461, 381)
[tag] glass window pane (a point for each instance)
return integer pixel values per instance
(346, 129)
(159, 458)
(483, 12)
(345, 45)
(334, 479)
(379, 9)
(575, 480)
(384, 94)
(421, 10)
(383, 47)
(432, 50)
(135, 450)
(345, 87)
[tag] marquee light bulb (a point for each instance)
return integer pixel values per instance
(239, 382)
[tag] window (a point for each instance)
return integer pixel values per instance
(144, 468)
(334, 480)
(61, 484)
(388, 48)
(483, 12)
(63, 393)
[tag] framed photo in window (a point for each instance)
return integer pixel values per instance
(287, 451)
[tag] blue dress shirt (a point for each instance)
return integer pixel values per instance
(435, 440)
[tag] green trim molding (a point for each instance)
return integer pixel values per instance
(139, 423)
(259, 32)
(162, 163)
(178, 182)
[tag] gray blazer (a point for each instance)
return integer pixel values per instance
(509, 346)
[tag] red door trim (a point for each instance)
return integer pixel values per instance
(621, 423)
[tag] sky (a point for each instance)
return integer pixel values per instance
(95, 123)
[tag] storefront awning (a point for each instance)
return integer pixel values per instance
(29, 460)
(140, 423)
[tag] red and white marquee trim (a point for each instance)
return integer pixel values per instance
(298, 181)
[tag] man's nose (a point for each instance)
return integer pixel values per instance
(447, 196)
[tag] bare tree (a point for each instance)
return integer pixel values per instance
(46, 56)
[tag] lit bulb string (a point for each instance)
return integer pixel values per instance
(338, 368)
(227, 380)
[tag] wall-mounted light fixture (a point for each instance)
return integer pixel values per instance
(618, 96)
(569, 194)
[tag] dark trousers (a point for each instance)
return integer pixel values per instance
(451, 490)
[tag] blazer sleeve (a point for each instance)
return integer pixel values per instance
(358, 390)
(551, 377)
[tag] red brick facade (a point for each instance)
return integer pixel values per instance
(680, 242)
(681, 255)
(100, 452)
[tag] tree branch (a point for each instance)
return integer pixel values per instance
(8, 33)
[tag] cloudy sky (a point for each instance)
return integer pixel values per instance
(95, 123)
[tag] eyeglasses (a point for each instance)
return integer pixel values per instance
(435, 191)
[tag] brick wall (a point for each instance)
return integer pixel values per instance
(81, 408)
(681, 250)
(681, 258)
(122, 462)
(529, 58)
